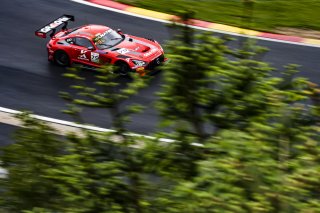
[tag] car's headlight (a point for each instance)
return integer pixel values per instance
(139, 63)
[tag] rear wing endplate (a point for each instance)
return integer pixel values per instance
(52, 26)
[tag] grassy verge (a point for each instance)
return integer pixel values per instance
(267, 15)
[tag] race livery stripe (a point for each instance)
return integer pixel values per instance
(208, 25)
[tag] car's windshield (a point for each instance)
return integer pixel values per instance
(107, 39)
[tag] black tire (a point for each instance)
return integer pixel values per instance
(122, 68)
(61, 58)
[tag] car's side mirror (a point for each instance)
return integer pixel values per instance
(91, 48)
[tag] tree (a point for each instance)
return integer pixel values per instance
(123, 191)
(257, 130)
(247, 13)
(97, 173)
(265, 168)
(182, 94)
(26, 161)
(107, 94)
(94, 173)
(112, 172)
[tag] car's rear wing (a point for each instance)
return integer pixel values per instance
(52, 26)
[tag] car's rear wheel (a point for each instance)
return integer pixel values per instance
(122, 68)
(61, 58)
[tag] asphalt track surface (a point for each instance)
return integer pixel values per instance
(6, 134)
(29, 82)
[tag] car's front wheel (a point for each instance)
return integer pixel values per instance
(61, 58)
(122, 68)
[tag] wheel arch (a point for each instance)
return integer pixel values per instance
(62, 51)
(118, 64)
(119, 61)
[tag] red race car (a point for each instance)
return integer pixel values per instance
(96, 45)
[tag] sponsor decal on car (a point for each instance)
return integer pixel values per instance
(98, 39)
(54, 24)
(150, 52)
(157, 61)
(69, 40)
(82, 55)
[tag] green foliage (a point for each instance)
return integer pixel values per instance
(95, 173)
(266, 15)
(106, 93)
(26, 162)
(98, 175)
(251, 172)
(203, 87)
(185, 81)
(255, 128)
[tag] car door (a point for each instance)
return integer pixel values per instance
(82, 51)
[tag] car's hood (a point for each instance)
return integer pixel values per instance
(137, 48)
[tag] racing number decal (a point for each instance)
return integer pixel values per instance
(123, 51)
(95, 57)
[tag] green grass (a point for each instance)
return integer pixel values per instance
(268, 15)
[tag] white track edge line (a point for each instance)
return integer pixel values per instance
(4, 172)
(195, 27)
(82, 126)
